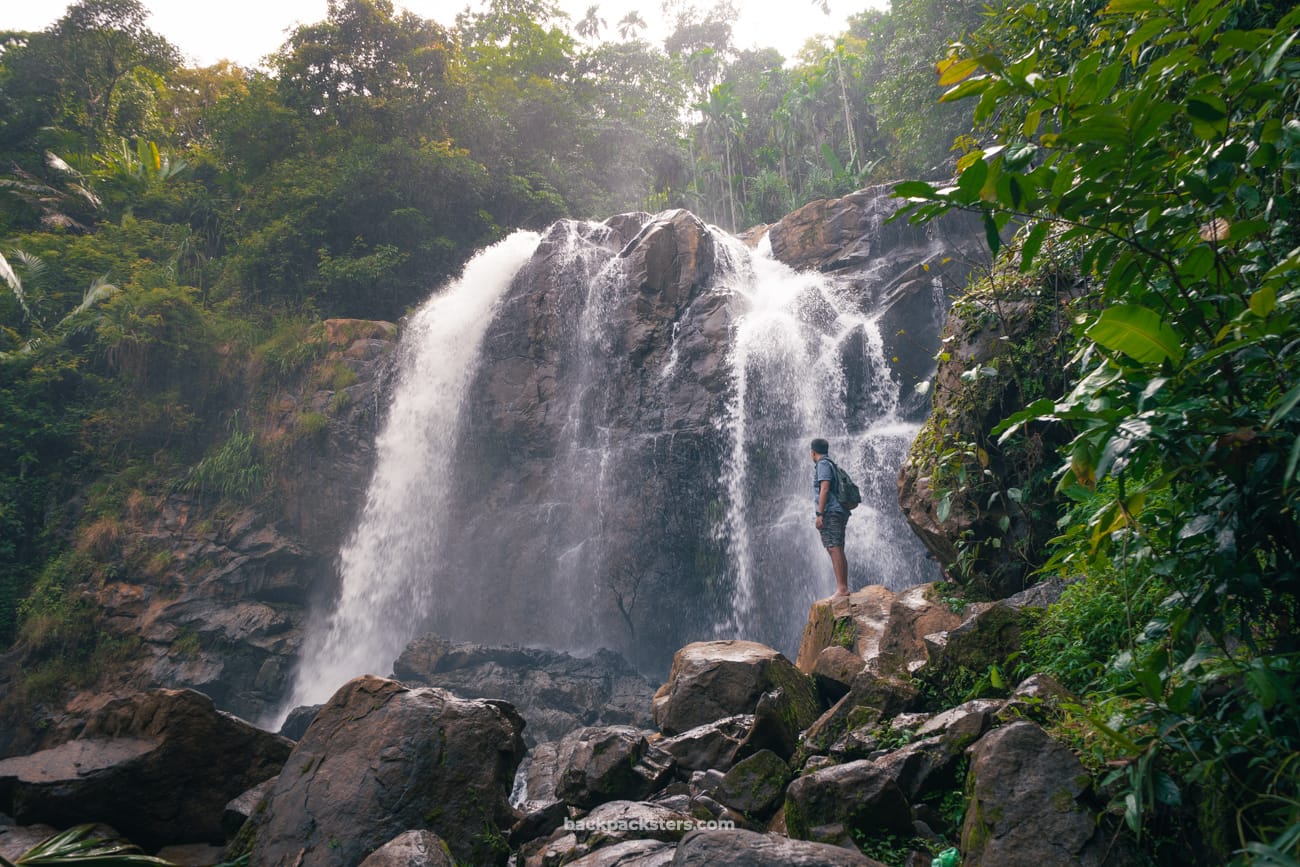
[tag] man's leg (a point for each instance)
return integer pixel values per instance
(840, 564)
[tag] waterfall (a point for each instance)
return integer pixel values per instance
(577, 456)
(384, 598)
(808, 360)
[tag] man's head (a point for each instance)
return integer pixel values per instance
(820, 448)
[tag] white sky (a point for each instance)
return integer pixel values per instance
(247, 30)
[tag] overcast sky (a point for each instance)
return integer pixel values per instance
(246, 30)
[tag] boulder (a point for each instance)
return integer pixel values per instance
(988, 638)
(834, 671)
(870, 699)
(158, 766)
(856, 624)
(630, 853)
(927, 765)
(855, 797)
(243, 806)
(619, 820)
(711, 745)
(913, 614)
(1038, 697)
(1028, 803)
(715, 679)
(597, 764)
(970, 720)
(295, 724)
(739, 848)
(382, 758)
(775, 727)
(17, 839)
(755, 785)
(412, 849)
(554, 691)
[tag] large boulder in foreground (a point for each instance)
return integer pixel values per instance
(381, 759)
(710, 680)
(1028, 804)
(159, 766)
(739, 848)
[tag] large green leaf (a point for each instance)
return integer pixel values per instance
(1139, 333)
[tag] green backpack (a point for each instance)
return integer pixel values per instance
(845, 490)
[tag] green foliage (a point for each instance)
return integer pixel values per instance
(1162, 141)
(231, 471)
(84, 846)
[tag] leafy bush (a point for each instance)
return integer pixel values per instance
(1162, 140)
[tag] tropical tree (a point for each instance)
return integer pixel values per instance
(1160, 142)
(631, 25)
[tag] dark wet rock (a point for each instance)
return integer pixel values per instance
(858, 796)
(295, 724)
(711, 745)
(412, 849)
(756, 785)
(870, 700)
(834, 671)
(859, 743)
(158, 766)
(776, 726)
(539, 819)
(739, 848)
(554, 691)
(244, 805)
(17, 839)
(597, 764)
(1029, 804)
(716, 679)
(383, 758)
(927, 765)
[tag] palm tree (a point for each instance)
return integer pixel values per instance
(591, 24)
(630, 25)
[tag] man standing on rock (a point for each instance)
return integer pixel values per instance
(831, 515)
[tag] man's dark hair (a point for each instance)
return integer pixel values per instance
(821, 447)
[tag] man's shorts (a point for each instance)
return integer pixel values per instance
(833, 529)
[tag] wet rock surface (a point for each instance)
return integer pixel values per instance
(159, 767)
(716, 679)
(382, 759)
(554, 691)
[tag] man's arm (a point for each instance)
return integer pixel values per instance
(821, 500)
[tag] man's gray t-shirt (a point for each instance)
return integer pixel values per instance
(825, 472)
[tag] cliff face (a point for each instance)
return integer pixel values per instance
(980, 506)
(599, 439)
(188, 590)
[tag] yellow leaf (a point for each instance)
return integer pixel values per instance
(952, 70)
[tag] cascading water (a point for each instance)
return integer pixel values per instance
(808, 360)
(383, 600)
(584, 452)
